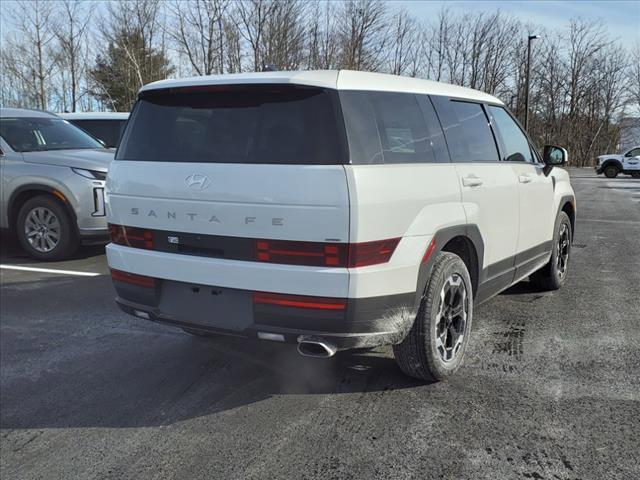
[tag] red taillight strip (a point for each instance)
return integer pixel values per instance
(133, 279)
(430, 249)
(131, 236)
(298, 301)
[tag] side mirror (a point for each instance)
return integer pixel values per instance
(102, 142)
(553, 156)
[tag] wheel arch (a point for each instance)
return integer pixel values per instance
(567, 205)
(612, 161)
(25, 192)
(463, 240)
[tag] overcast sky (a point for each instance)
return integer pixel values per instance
(621, 18)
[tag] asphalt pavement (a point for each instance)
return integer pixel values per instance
(550, 388)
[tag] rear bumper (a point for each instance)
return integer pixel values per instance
(598, 170)
(365, 322)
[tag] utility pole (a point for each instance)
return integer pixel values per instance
(526, 95)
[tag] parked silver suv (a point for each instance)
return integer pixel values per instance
(53, 177)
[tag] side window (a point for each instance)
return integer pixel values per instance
(390, 127)
(402, 129)
(362, 132)
(515, 145)
(466, 128)
(633, 153)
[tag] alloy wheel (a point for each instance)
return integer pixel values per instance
(42, 229)
(451, 320)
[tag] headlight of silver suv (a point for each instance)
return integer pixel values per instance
(92, 174)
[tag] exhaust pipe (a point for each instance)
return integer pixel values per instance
(316, 348)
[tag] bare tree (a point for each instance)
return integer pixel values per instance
(198, 33)
(363, 34)
(29, 54)
(404, 43)
(71, 35)
(322, 39)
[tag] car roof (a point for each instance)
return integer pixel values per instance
(24, 113)
(334, 79)
(95, 115)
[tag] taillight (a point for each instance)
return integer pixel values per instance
(133, 279)
(298, 301)
(371, 253)
(314, 254)
(131, 236)
(318, 254)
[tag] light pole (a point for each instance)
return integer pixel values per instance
(526, 95)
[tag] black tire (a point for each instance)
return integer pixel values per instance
(198, 333)
(551, 277)
(611, 171)
(418, 354)
(635, 174)
(67, 238)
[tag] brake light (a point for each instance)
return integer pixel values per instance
(131, 236)
(318, 254)
(314, 254)
(371, 253)
(133, 279)
(298, 301)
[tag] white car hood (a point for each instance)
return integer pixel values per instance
(88, 159)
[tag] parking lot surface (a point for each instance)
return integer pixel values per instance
(550, 388)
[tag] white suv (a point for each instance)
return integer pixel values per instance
(332, 210)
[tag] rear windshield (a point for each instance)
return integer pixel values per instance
(24, 134)
(248, 124)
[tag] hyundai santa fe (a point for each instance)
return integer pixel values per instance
(332, 210)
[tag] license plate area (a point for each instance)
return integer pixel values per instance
(224, 308)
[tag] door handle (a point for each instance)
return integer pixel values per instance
(471, 181)
(524, 179)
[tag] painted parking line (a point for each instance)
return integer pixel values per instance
(49, 270)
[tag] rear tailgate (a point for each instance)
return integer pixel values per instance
(210, 171)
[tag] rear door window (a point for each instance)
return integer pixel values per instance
(515, 146)
(270, 124)
(466, 127)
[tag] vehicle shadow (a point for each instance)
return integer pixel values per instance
(12, 252)
(89, 365)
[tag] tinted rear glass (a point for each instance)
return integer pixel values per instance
(108, 131)
(248, 124)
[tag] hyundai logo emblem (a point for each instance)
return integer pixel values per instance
(197, 181)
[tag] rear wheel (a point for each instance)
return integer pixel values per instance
(45, 229)
(434, 348)
(635, 174)
(553, 275)
(611, 171)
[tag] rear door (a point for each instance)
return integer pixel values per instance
(535, 191)
(261, 162)
(489, 187)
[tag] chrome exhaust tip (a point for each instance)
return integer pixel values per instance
(316, 349)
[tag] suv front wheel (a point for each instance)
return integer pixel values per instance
(611, 171)
(45, 229)
(553, 275)
(434, 348)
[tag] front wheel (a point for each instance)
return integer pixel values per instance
(45, 229)
(553, 275)
(635, 174)
(611, 171)
(434, 347)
